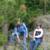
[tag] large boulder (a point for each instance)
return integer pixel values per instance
(44, 20)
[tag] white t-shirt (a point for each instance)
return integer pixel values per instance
(38, 33)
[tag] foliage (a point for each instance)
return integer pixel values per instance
(26, 10)
(1, 20)
(3, 39)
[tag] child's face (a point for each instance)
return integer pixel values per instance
(18, 23)
(38, 27)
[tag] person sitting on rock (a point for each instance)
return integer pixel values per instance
(36, 38)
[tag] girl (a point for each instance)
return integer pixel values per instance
(36, 38)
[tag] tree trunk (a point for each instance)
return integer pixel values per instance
(5, 32)
(5, 28)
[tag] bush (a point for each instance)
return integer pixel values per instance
(3, 39)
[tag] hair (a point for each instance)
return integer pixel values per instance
(40, 25)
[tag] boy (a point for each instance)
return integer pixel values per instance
(21, 29)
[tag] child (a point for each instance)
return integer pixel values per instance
(36, 38)
(21, 28)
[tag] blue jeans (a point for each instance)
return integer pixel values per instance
(24, 41)
(35, 43)
(24, 44)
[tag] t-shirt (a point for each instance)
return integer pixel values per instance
(38, 33)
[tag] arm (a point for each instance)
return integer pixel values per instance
(34, 34)
(15, 32)
(26, 30)
(18, 39)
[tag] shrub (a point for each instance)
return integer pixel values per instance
(3, 39)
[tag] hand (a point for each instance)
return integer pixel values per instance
(18, 40)
(31, 36)
(26, 37)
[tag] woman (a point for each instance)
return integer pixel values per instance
(36, 38)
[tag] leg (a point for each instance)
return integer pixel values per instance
(37, 43)
(24, 44)
(32, 44)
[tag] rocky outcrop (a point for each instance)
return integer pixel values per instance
(44, 20)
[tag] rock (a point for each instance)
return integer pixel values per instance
(44, 20)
